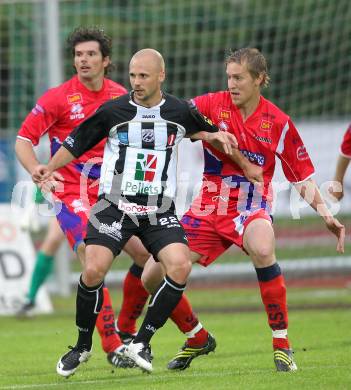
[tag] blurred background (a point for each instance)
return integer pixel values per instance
(308, 47)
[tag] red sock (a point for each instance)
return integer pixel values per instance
(105, 324)
(186, 320)
(273, 293)
(134, 300)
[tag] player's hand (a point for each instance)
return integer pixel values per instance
(253, 172)
(52, 183)
(40, 173)
(338, 230)
(222, 141)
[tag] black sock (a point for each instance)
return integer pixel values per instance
(136, 270)
(161, 305)
(88, 305)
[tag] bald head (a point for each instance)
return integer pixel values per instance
(151, 57)
(146, 74)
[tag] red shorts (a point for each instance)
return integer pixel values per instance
(211, 233)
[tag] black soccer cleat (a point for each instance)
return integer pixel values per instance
(284, 360)
(119, 359)
(140, 353)
(184, 357)
(69, 362)
(26, 310)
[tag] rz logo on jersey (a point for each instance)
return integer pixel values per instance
(145, 167)
(148, 135)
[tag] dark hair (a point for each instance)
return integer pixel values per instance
(255, 60)
(86, 34)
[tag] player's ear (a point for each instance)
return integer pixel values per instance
(162, 76)
(106, 61)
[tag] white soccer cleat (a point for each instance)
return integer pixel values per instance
(140, 353)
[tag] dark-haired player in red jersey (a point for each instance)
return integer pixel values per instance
(232, 210)
(342, 163)
(56, 113)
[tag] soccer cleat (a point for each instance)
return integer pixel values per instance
(140, 353)
(69, 362)
(26, 310)
(118, 358)
(284, 360)
(183, 358)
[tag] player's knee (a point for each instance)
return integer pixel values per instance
(93, 274)
(179, 269)
(263, 255)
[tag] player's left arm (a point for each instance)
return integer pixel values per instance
(309, 191)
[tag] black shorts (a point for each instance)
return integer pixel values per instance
(112, 228)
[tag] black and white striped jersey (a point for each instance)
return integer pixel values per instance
(139, 161)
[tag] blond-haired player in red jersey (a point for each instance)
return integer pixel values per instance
(232, 210)
(56, 113)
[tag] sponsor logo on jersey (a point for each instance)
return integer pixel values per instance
(76, 111)
(301, 153)
(145, 167)
(224, 114)
(123, 137)
(148, 116)
(69, 141)
(38, 110)
(148, 135)
(75, 98)
(263, 139)
(78, 206)
(266, 125)
(113, 231)
(257, 158)
(136, 209)
(170, 140)
(223, 126)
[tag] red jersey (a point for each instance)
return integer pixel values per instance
(345, 148)
(267, 133)
(58, 112)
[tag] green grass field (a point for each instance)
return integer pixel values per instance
(243, 359)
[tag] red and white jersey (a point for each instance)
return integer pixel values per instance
(58, 112)
(267, 133)
(345, 148)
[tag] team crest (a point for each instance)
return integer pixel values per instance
(148, 135)
(223, 126)
(75, 98)
(224, 114)
(266, 125)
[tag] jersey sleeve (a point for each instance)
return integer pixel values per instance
(203, 103)
(345, 147)
(41, 118)
(196, 121)
(88, 134)
(296, 162)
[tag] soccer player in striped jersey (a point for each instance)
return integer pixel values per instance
(136, 192)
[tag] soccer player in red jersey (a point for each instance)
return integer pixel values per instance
(232, 210)
(342, 164)
(56, 113)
